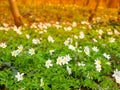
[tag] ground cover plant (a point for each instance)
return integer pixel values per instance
(57, 56)
(60, 50)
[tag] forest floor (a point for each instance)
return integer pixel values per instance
(59, 49)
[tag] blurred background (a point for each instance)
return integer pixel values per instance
(58, 10)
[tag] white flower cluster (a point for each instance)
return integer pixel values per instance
(20, 48)
(68, 41)
(74, 24)
(57, 25)
(116, 32)
(87, 50)
(27, 36)
(41, 28)
(112, 40)
(5, 27)
(85, 22)
(43, 25)
(109, 32)
(95, 49)
(17, 30)
(71, 47)
(43, 31)
(98, 65)
(100, 31)
(50, 39)
(16, 52)
(62, 60)
(69, 28)
(36, 41)
(107, 56)
(94, 40)
(3, 45)
(116, 75)
(40, 25)
(81, 64)
(82, 35)
(75, 36)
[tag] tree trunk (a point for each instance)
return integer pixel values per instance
(113, 3)
(86, 2)
(15, 12)
(118, 18)
(94, 11)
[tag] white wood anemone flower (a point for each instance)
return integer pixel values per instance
(19, 76)
(50, 39)
(3, 45)
(42, 82)
(31, 51)
(69, 70)
(48, 63)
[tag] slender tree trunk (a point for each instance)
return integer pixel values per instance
(113, 3)
(87, 2)
(15, 12)
(94, 11)
(118, 18)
